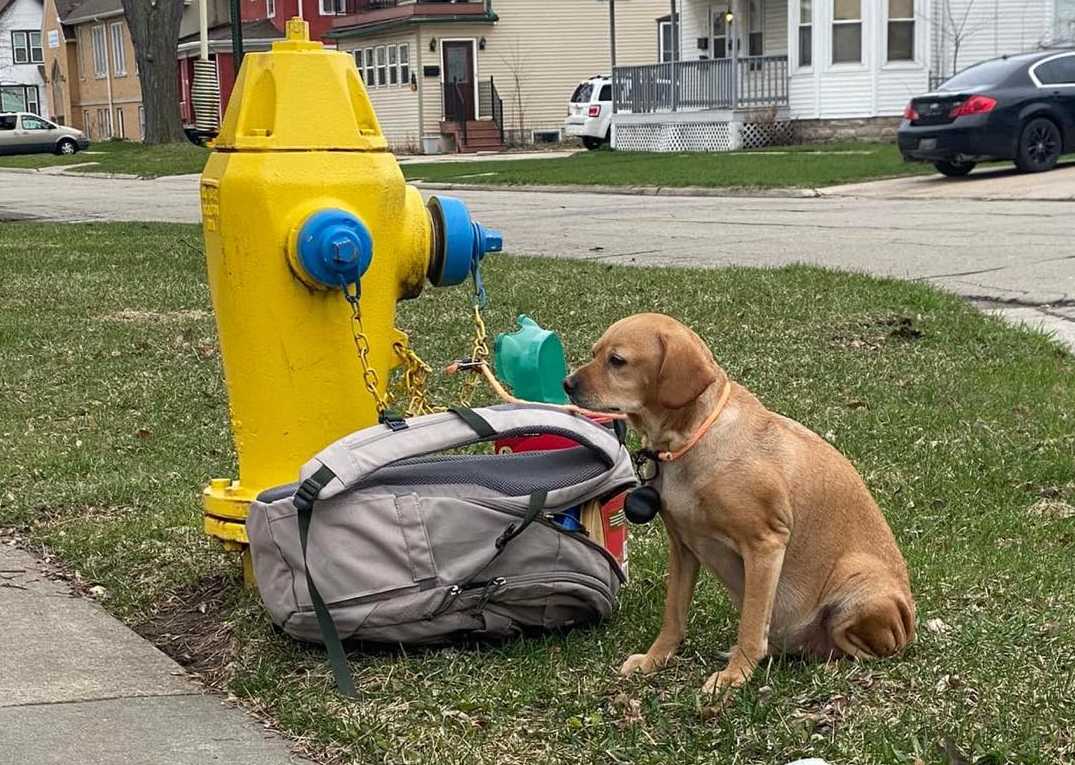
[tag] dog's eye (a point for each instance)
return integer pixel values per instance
(617, 360)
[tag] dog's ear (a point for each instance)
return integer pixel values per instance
(686, 369)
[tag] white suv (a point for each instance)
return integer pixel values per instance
(589, 114)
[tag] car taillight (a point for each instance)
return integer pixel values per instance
(973, 105)
(909, 112)
(595, 110)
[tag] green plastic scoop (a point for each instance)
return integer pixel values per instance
(531, 360)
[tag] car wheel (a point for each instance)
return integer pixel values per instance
(66, 146)
(954, 169)
(1040, 146)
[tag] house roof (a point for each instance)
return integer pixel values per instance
(78, 11)
(4, 4)
(262, 29)
(256, 34)
(373, 21)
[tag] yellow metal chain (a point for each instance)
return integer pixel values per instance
(479, 353)
(362, 345)
(414, 380)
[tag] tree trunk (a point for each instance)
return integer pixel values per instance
(154, 26)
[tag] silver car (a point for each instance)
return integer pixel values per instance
(25, 133)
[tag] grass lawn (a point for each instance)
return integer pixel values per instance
(114, 414)
(794, 166)
(128, 157)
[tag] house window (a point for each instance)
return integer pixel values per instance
(404, 65)
(270, 8)
(665, 50)
(806, 33)
(847, 32)
(141, 122)
(371, 70)
(333, 7)
(100, 53)
(901, 30)
(382, 69)
(755, 24)
(80, 51)
(121, 129)
(104, 122)
(393, 65)
(1065, 20)
(19, 98)
(720, 34)
(26, 48)
(119, 52)
(357, 53)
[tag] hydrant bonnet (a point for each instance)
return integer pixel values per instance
(335, 248)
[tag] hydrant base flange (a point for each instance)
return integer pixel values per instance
(225, 504)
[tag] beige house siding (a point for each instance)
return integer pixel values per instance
(396, 105)
(87, 101)
(537, 53)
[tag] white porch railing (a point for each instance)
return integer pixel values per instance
(752, 82)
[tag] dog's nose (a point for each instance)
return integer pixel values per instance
(570, 385)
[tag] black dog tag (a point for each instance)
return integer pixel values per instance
(642, 505)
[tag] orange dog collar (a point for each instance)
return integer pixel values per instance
(694, 439)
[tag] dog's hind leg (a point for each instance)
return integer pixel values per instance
(877, 625)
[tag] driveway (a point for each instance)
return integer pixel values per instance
(1017, 257)
(990, 183)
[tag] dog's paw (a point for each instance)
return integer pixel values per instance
(724, 680)
(640, 662)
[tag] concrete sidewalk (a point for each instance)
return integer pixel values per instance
(76, 686)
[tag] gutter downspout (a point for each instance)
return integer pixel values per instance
(108, 74)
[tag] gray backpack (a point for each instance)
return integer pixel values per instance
(386, 539)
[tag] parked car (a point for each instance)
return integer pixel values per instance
(1019, 108)
(589, 115)
(25, 133)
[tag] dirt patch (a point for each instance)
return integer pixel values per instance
(876, 333)
(131, 315)
(190, 626)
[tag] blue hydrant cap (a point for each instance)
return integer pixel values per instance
(335, 247)
(463, 242)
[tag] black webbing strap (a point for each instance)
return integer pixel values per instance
(304, 500)
(537, 504)
(481, 427)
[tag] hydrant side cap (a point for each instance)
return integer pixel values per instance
(335, 248)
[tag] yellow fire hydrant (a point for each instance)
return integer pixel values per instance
(303, 206)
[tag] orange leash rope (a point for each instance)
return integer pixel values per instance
(502, 392)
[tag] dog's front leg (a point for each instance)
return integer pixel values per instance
(682, 577)
(762, 562)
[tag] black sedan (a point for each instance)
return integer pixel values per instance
(1019, 108)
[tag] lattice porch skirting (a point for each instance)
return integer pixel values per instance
(697, 133)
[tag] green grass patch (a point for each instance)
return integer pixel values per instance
(126, 157)
(784, 167)
(113, 414)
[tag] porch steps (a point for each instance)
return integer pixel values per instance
(482, 135)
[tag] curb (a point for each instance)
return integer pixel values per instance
(635, 191)
(50, 170)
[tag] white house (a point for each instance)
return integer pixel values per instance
(745, 73)
(22, 82)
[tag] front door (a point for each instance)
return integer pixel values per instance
(458, 79)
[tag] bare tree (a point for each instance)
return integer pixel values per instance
(958, 30)
(154, 26)
(515, 61)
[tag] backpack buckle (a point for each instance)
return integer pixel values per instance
(393, 421)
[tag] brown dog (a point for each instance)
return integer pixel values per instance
(764, 503)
